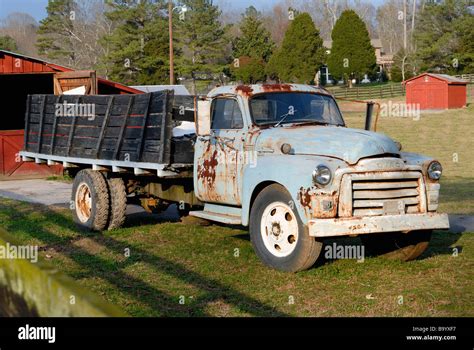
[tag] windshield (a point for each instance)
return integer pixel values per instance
(294, 107)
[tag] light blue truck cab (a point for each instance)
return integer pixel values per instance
(279, 159)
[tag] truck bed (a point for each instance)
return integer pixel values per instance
(121, 132)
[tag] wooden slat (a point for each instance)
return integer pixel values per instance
(55, 126)
(142, 131)
(71, 131)
(40, 131)
(122, 130)
(104, 126)
(165, 134)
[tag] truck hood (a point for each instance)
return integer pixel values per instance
(343, 143)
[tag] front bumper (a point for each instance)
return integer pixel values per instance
(374, 224)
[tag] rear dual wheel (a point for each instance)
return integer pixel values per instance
(98, 203)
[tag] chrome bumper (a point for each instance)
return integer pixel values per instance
(374, 224)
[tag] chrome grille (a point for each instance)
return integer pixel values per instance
(377, 194)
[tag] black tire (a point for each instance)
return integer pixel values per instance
(95, 216)
(306, 250)
(397, 245)
(118, 203)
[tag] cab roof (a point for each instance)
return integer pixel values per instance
(250, 90)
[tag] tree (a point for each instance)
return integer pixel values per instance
(277, 22)
(403, 67)
(352, 54)
(301, 53)
(255, 40)
(56, 31)
(7, 43)
(250, 70)
(138, 47)
(444, 37)
(390, 25)
(201, 37)
(21, 27)
(71, 33)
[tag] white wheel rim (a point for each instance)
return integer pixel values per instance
(279, 229)
(83, 202)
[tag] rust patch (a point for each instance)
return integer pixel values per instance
(305, 197)
(312, 203)
(276, 87)
(207, 170)
(244, 90)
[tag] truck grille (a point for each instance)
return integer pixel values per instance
(384, 193)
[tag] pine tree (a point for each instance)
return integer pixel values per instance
(55, 31)
(139, 45)
(352, 54)
(201, 37)
(7, 43)
(301, 53)
(445, 37)
(255, 40)
(250, 70)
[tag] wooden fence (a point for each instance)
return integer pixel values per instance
(369, 92)
(468, 77)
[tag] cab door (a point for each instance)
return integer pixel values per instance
(219, 156)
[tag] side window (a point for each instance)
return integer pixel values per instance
(226, 114)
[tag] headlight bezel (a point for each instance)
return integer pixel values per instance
(322, 175)
(433, 169)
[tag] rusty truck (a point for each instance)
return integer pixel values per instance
(276, 158)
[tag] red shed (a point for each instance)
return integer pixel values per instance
(436, 91)
(20, 76)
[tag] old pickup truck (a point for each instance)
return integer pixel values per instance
(277, 158)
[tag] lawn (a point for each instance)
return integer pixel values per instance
(154, 267)
(182, 270)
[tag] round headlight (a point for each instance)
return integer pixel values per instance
(435, 170)
(322, 175)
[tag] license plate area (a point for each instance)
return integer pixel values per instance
(394, 207)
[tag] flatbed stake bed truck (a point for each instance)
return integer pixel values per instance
(276, 158)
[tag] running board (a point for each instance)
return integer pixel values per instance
(220, 213)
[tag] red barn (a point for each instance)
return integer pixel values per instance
(436, 91)
(22, 75)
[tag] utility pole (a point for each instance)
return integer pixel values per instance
(413, 15)
(405, 24)
(170, 25)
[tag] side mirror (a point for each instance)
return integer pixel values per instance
(203, 120)
(368, 115)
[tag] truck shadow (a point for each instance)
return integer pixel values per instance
(139, 291)
(441, 243)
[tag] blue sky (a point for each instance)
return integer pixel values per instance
(37, 8)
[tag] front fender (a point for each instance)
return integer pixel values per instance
(294, 172)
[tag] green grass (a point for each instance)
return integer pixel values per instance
(170, 261)
(64, 178)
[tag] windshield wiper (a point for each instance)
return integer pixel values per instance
(283, 117)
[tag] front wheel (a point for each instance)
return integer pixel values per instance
(278, 236)
(397, 245)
